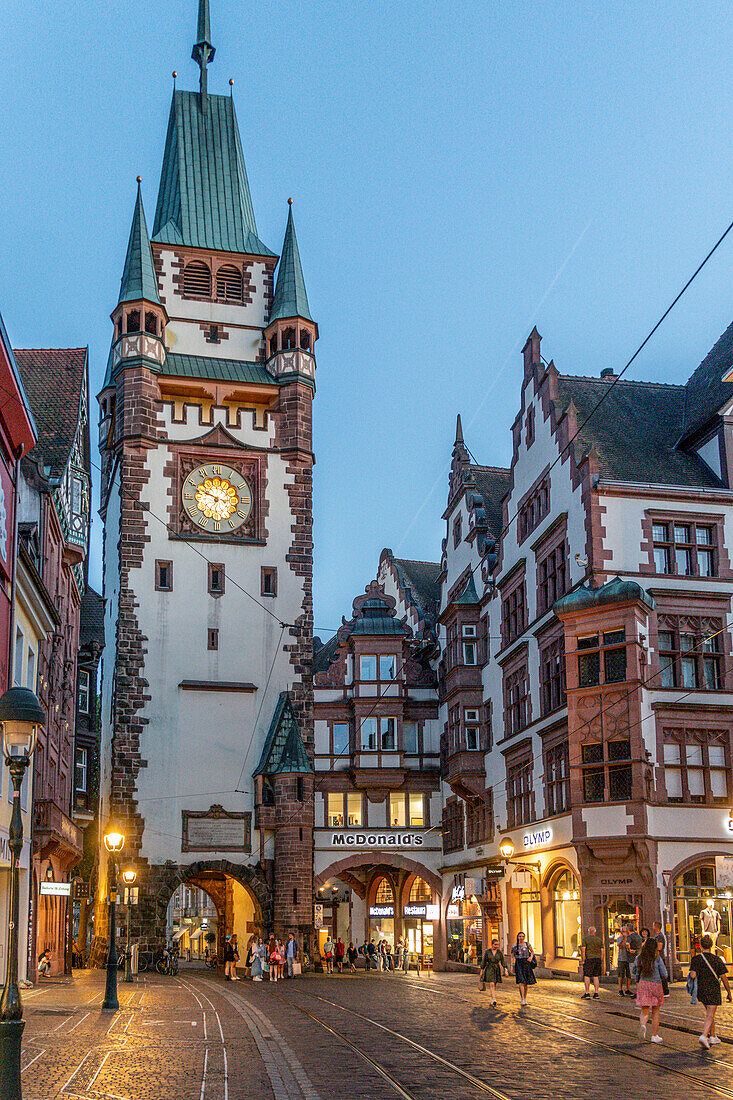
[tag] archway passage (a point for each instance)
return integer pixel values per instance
(382, 897)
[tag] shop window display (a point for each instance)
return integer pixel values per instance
(465, 931)
(566, 898)
(530, 915)
(692, 890)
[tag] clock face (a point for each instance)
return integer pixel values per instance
(217, 498)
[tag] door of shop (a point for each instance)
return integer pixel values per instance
(616, 913)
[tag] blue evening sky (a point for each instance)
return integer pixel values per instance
(461, 171)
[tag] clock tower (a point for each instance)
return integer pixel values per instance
(205, 439)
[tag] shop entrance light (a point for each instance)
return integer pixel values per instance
(506, 848)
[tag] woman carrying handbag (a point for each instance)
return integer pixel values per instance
(709, 970)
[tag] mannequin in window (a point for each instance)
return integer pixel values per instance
(710, 921)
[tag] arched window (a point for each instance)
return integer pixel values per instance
(420, 892)
(305, 339)
(133, 320)
(197, 280)
(385, 894)
(273, 344)
(288, 339)
(566, 895)
(151, 323)
(229, 284)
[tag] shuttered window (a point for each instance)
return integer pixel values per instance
(229, 285)
(197, 280)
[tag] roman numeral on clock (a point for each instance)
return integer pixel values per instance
(216, 469)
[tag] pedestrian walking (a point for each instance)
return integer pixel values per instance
(592, 954)
(371, 955)
(662, 941)
(339, 952)
(328, 954)
(492, 965)
(353, 955)
(644, 933)
(292, 952)
(524, 966)
(405, 959)
(248, 957)
(709, 969)
(235, 958)
(649, 971)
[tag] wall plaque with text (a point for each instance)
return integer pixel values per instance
(216, 830)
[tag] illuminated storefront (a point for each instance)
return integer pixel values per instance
(381, 914)
(691, 892)
(465, 927)
(418, 915)
(567, 915)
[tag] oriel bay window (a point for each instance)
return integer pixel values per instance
(690, 654)
(696, 766)
(472, 728)
(343, 808)
(378, 733)
(340, 738)
(686, 549)
(385, 665)
(606, 771)
(602, 658)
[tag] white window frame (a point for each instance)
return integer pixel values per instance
(84, 676)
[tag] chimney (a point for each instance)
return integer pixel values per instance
(608, 373)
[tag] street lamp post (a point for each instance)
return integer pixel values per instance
(114, 842)
(21, 716)
(128, 877)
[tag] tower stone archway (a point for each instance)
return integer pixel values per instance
(158, 884)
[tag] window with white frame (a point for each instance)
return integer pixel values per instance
(30, 670)
(387, 667)
(18, 658)
(471, 725)
(470, 647)
(388, 734)
(695, 766)
(83, 700)
(341, 738)
(368, 666)
(369, 730)
(81, 762)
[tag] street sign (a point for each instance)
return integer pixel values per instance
(318, 915)
(56, 889)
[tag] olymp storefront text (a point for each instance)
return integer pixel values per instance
(552, 888)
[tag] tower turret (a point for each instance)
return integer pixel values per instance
(291, 332)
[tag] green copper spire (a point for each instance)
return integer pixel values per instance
(138, 277)
(203, 51)
(290, 298)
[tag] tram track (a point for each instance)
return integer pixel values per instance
(380, 1069)
(720, 1090)
(710, 1087)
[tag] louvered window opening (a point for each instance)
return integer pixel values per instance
(229, 285)
(197, 281)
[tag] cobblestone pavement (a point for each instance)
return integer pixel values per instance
(196, 1037)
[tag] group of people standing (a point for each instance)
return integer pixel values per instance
(377, 956)
(265, 960)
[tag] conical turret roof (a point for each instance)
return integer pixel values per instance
(138, 276)
(290, 298)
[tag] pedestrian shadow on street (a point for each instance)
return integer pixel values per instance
(489, 1018)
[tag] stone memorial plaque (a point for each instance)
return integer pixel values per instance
(215, 830)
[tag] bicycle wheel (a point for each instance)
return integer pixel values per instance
(161, 966)
(142, 964)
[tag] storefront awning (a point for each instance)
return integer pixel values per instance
(179, 933)
(197, 934)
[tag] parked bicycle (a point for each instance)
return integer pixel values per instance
(212, 962)
(168, 962)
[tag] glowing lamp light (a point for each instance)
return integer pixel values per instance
(506, 848)
(114, 840)
(129, 876)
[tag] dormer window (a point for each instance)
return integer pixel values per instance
(229, 285)
(196, 280)
(288, 339)
(151, 323)
(305, 339)
(133, 320)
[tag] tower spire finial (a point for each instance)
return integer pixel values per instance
(459, 430)
(203, 51)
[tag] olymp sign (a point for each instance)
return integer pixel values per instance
(534, 840)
